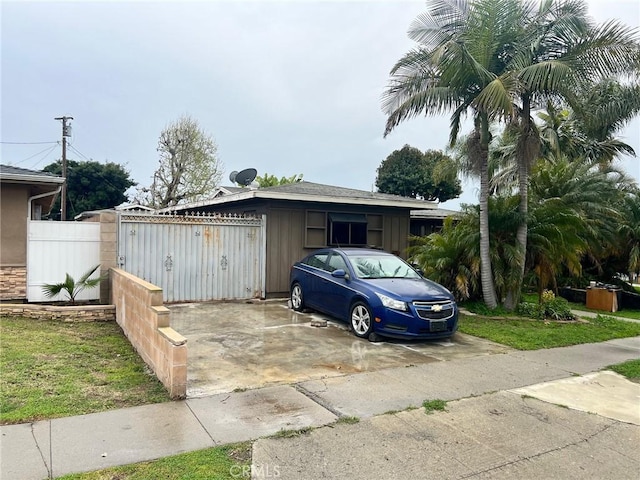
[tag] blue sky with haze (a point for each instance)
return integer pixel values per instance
(284, 87)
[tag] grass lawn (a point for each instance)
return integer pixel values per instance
(220, 463)
(527, 334)
(54, 369)
(630, 369)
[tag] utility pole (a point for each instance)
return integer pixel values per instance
(66, 132)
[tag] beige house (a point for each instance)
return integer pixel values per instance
(24, 194)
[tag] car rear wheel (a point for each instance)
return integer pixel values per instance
(361, 320)
(297, 302)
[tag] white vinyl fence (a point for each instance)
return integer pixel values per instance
(57, 248)
(195, 257)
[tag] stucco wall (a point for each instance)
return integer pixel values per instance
(13, 225)
(108, 250)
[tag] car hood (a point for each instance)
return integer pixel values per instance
(410, 289)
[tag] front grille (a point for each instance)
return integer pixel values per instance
(434, 310)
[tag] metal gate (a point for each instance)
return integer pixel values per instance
(57, 248)
(195, 257)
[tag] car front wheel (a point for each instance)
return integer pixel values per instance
(297, 302)
(361, 320)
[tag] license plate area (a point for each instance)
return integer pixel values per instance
(437, 326)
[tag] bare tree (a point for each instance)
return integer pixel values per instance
(189, 169)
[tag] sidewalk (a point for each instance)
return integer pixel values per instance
(49, 449)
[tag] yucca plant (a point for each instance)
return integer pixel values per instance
(71, 287)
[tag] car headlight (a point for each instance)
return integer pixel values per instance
(392, 303)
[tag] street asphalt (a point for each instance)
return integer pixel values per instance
(539, 414)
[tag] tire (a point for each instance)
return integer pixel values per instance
(374, 337)
(297, 299)
(361, 320)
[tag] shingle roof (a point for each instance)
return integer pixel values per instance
(310, 188)
(13, 174)
(310, 192)
(10, 169)
(440, 213)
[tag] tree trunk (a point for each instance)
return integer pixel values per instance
(528, 147)
(486, 271)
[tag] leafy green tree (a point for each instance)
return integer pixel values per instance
(91, 186)
(189, 166)
(408, 172)
(268, 180)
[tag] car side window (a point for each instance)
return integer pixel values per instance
(336, 262)
(317, 260)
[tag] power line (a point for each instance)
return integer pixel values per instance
(79, 152)
(28, 143)
(48, 150)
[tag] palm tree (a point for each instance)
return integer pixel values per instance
(559, 54)
(450, 257)
(630, 231)
(575, 216)
(72, 287)
(500, 59)
(461, 52)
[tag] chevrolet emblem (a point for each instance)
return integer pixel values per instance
(436, 308)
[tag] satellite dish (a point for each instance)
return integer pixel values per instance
(232, 176)
(245, 177)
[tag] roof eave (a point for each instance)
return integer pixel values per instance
(31, 179)
(288, 196)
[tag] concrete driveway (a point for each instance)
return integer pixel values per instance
(244, 345)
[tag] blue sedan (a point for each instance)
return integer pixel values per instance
(376, 292)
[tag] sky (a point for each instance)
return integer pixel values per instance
(286, 87)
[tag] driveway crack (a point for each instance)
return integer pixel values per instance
(318, 399)
(539, 454)
(48, 466)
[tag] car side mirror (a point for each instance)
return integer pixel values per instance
(340, 273)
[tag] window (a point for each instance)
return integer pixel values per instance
(317, 260)
(341, 229)
(336, 262)
(347, 229)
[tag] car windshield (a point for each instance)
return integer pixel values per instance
(381, 266)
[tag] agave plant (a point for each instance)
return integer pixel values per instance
(71, 287)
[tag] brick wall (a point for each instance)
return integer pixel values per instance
(13, 283)
(145, 321)
(76, 313)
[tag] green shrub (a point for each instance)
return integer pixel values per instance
(551, 307)
(557, 309)
(527, 309)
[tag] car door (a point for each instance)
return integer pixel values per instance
(315, 272)
(337, 291)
